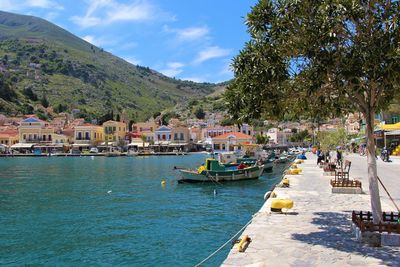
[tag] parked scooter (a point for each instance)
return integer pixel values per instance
(385, 154)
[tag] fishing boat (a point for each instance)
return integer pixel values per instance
(232, 159)
(213, 171)
(132, 153)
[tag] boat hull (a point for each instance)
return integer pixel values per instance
(192, 176)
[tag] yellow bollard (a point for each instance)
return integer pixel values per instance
(278, 204)
(244, 242)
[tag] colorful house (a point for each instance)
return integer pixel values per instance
(146, 129)
(114, 131)
(163, 134)
(231, 141)
(88, 135)
(9, 138)
(33, 130)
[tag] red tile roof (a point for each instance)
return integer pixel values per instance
(236, 135)
(8, 133)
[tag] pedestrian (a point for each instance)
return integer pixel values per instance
(338, 158)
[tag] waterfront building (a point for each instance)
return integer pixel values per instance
(9, 138)
(279, 137)
(88, 135)
(231, 141)
(114, 132)
(146, 129)
(60, 139)
(195, 134)
(33, 130)
(180, 138)
(163, 134)
(211, 132)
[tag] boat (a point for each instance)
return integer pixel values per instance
(213, 171)
(132, 153)
(113, 154)
(232, 159)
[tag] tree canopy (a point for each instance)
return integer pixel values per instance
(317, 59)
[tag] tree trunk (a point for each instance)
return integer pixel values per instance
(372, 169)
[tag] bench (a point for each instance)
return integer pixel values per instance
(344, 172)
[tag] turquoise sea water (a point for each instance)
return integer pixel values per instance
(59, 212)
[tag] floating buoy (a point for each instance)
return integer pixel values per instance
(109, 192)
(163, 182)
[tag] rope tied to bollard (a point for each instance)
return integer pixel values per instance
(226, 243)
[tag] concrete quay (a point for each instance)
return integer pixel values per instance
(317, 231)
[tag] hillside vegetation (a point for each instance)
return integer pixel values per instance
(41, 63)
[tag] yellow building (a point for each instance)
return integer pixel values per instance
(146, 129)
(88, 134)
(9, 138)
(33, 130)
(114, 131)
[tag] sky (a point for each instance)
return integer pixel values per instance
(186, 39)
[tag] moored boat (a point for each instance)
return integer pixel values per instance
(213, 171)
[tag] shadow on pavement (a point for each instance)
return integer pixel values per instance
(336, 233)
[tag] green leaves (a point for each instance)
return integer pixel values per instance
(316, 58)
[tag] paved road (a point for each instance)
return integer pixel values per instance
(388, 172)
(316, 232)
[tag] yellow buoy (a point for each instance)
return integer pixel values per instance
(163, 182)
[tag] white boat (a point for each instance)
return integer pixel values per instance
(132, 153)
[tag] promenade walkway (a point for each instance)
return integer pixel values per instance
(316, 232)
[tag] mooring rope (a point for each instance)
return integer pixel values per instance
(226, 243)
(387, 192)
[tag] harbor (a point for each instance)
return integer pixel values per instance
(117, 211)
(317, 230)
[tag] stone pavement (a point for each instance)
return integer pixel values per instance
(317, 231)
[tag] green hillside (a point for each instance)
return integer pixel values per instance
(40, 61)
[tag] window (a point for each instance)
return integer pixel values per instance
(79, 137)
(182, 136)
(24, 137)
(87, 136)
(44, 138)
(175, 136)
(49, 137)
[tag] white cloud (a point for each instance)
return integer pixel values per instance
(132, 60)
(44, 4)
(18, 5)
(189, 34)
(102, 41)
(173, 69)
(103, 12)
(210, 53)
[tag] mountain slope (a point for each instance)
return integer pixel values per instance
(41, 60)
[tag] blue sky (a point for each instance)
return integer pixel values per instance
(189, 40)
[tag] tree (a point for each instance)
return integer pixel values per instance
(199, 113)
(44, 101)
(320, 58)
(330, 140)
(262, 139)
